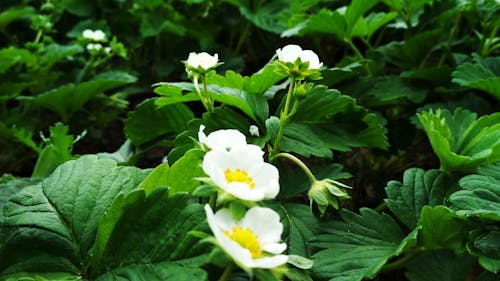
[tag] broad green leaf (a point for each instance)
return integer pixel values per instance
(51, 276)
(480, 195)
(266, 16)
(61, 214)
(184, 141)
(326, 21)
(300, 228)
(180, 177)
(366, 27)
(14, 13)
(154, 272)
(412, 52)
(442, 229)
(485, 246)
(157, 229)
(156, 179)
(355, 12)
(148, 123)
(123, 155)
(358, 246)
(12, 55)
(171, 94)
(9, 186)
(327, 120)
(461, 142)
(55, 53)
(419, 188)
(439, 266)
(483, 74)
(57, 150)
(69, 98)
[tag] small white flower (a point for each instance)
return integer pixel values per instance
(254, 131)
(97, 35)
(203, 60)
(107, 50)
(94, 47)
(253, 242)
(290, 53)
(221, 139)
(242, 172)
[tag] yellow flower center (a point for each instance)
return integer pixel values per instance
(246, 238)
(239, 176)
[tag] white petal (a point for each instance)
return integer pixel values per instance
(289, 53)
(265, 223)
(207, 61)
(99, 35)
(243, 191)
(225, 139)
(267, 177)
(276, 248)
(270, 262)
(224, 219)
(87, 33)
(311, 57)
(254, 131)
(193, 60)
(240, 255)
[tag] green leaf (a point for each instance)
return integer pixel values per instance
(157, 229)
(441, 228)
(311, 131)
(419, 188)
(326, 21)
(55, 53)
(480, 195)
(171, 94)
(12, 56)
(14, 13)
(180, 177)
(56, 151)
(485, 245)
(266, 16)
(300, 228)
(154, 272)
(156, 179)
(483, 74)
(69, 98)
(61, 215)
(359, 246)
(461, 142)
(10, 186)
(439, 266)
(148, 123)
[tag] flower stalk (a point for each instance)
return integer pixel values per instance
(284, 118)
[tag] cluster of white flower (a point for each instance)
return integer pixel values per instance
(239, 171)
(95, 36)
(291, 53)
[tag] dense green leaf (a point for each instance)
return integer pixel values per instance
(61, 215)
(154, 272)
(11, 56)
(480, 194)
(419, 188)
(485, 246)
(9, 186)
(266, 16)
(156, 179)
(439, 266)
(483, 74)
(160, 121)
(359, 246)
(442, 229)
(460, 141)
(69, 98)
(156, 229)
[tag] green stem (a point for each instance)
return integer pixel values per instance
(358, 54)
(198, 91)
(211, 201)
(486, 47)
(283, 118)
(243, 37)
(381, 207)
(207, 96)
(227, 273)
(299, 163)
(38, 36)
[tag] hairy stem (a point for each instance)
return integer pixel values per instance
(284, 117)
(299, 163)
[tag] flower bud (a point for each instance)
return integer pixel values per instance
(327, 192)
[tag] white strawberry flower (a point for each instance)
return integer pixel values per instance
(252, 242)
(290, 53)
(97, 35)
(242, 172)
(221, 139)
(202, 60)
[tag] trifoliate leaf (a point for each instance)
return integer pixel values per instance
(483, 74)
(439, 266)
